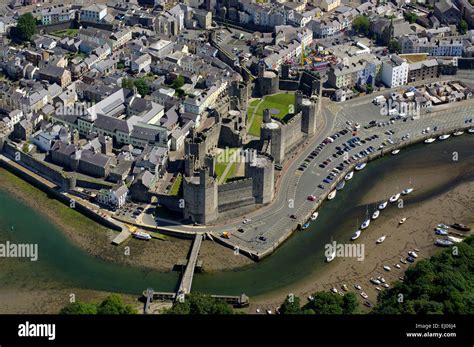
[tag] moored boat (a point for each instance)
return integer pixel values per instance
(381, 239)
(407, 191)
(443, 243)
(331, 256)
(394, 198)
(440, 231)
(349, 176)
(314, 215)
(376, 214)
(305, 226)
(470, 130)
(430, 140)
(443, 226)
(454, 239)
(360, 166)
(332, 195)
(458, 133)
(444, 137)
(395, 151)
(403, 220)
(366, 224)
(356, 235)
(383, 205)
(340, 185)
(142, 236)
(461, 227)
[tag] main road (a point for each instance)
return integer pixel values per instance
(270, 225)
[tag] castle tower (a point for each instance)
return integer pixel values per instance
(200, 197)
(274, 133)
(261, 69)
(298, 100)
(308, 117)
(261, 169)
(267, 117)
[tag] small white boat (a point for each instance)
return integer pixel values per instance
(443, 226)
(331, 256)
(383, 205)
(349, 176)
(381, 239)
(413, 254)
(470, 130)
(407, 191)
(366, 224)
(332, 195)
(360, 166)
(458, 133)
(142, 236)
(443, 243)
(397, 266)
(356, 235)
(395, 151)
(454, 239)
(386, 268)
(403, 220)
(444, 137)
(314, 215)
(394, 198)
(340, 185)
(333, 290)
(376, 214)
(430, 140)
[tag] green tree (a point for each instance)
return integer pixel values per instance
(79, 308)
(142, 87)
(361, 24)
(291, 305)
(325, 303)
(127, 83)
(411, 17)
(394, 46)
(178, 82)
(200, 304)
(113, 304)
(25, 28)
(349, 303)
(463, 27)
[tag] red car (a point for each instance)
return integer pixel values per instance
(311, 198)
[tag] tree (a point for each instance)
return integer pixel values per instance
(142, 87)
(361, 24)
(25, 28)
(349, 303)
(291, 305)
(200, 304)
(394, 46)
(411, 17)
(463, 27)
(113, 304)
(79, 308)
(178, 82)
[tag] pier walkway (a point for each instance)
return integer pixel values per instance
(187, 278)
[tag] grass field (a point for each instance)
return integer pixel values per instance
(176, 185)
(280, 102)
(221, 164)
(64, 33)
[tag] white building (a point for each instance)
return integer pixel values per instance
(395, 72)
(115, 197)
(93, 13)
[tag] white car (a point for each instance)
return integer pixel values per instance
(246, 220)
(365, 296)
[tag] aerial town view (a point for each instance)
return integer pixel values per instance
(250, 157)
